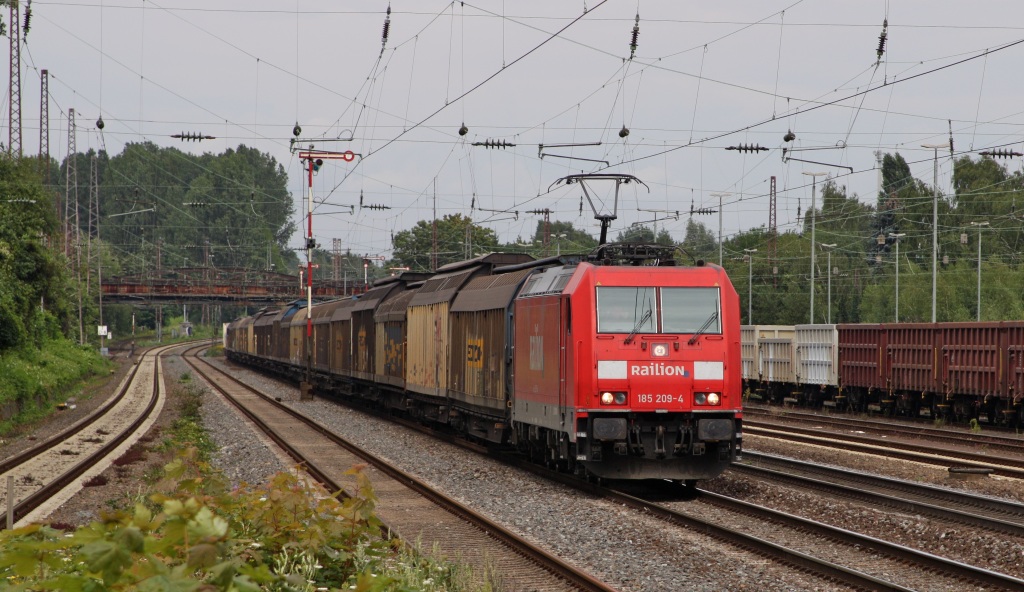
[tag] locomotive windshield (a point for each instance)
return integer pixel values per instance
(657, 310)
(622, 310)
(686, 310)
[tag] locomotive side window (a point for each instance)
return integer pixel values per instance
(687, 310)
(623, 310)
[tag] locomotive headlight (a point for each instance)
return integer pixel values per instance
(707, 399)
(659, 350)
(613, 398)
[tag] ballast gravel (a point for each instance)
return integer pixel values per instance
(626, 550)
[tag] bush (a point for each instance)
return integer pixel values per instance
(283, 535)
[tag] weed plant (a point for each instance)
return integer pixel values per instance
(199, 535)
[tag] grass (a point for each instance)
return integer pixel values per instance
(35, 380)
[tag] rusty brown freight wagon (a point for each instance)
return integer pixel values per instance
(322, 333)
(364, 329)
(391, 338)
(427, 350)
(481, 344)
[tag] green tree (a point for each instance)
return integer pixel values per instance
(234, 206)
(563, 238)
(699, 241)
(638, 233)
(457, 238)
(34, 290)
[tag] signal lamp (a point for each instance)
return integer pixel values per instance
(659, 350)
(607, 398)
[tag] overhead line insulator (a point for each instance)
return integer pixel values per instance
(882, 38)
(494, 144)
(192, 136)
(28, 19)
(387, 28)
(1001, 153)
(636, 34)
(376, 207)
(747, 148)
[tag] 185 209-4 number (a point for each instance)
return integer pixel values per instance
(659, 398)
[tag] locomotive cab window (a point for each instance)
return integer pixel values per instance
(658, 310)
(688, 310)
(622, 310)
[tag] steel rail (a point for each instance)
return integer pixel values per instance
(1007, 442)
(40, 496)
(1005, 467)
(952, 568)
(17, 459)
(887, 500)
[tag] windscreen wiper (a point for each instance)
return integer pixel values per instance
(636, 329)
(703, 328)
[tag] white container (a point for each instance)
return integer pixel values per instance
(817, 348)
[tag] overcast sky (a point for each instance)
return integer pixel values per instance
(704, 76)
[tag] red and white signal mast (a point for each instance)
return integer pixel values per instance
(313, 159)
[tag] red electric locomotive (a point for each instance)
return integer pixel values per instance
(632, 371)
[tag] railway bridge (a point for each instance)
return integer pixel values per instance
(207, 285)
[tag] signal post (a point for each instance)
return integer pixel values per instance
(314, 159)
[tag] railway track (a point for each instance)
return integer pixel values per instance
(885, 565)
(408, 506)
(1004, 441)
(905, 449)
(943, 504)
(49, 473)
(849, 559)
(834, 554)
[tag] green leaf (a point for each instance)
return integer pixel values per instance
(132, 539)
(202, 556)
(206, 525)
(107, 558)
